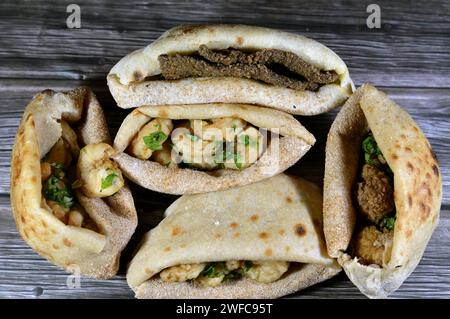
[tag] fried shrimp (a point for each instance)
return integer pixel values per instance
(98, 174)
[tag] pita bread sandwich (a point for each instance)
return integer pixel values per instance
(67, 194)
(262, 240)
(382, 192)
(218, 63)
(186, 149)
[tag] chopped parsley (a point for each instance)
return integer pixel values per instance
(371, 151)
(245, 139)
(222, 157)
(108, 180)
(373, 155)
(238, 160)
(154, 140)
(213, 270)
(247, 266)
(219, 269)
(194, 138)
(388, 222)
(370, 146)
(56, 190)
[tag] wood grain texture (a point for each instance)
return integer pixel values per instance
(408, 58)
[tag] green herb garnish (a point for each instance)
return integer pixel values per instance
(237, 160)
(374, 156)
(370, 146)
(213, 270)
(154, 140)
(194, 138)
(245, 139)
(219, 269)
(108, 180)
(57, 191)
(247, 265)
(388, 222)
(368, 158)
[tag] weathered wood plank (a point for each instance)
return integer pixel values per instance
(409, 50)
(44, 280)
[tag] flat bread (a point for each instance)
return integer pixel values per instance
(76, 249)
(131, 84)
(295, 141)
(276, 219)
(417, 187)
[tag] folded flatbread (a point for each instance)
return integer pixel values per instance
(269, 232)
(80, 233)
(256, 143)
(379, 219)
(194, 64)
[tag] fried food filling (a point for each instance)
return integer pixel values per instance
(222, 143)
(374, 195)
(97, 176)
(216, 273)
(271, 66)
(372, 245)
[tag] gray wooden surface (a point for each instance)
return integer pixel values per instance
(408, 57)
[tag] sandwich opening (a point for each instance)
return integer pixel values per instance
(373, 195)
(214, 274)
(270, 66)
(211, 145)
(61, 178)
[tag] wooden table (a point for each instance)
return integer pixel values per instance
(408, 57)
